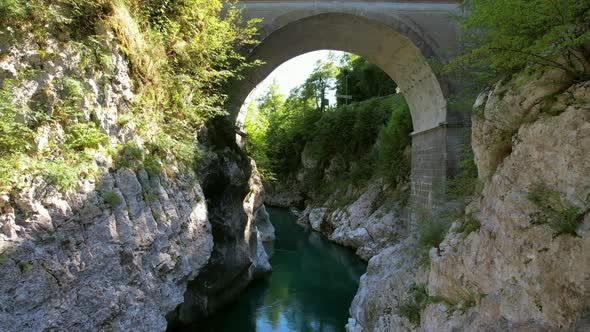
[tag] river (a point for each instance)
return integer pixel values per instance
(310, 289)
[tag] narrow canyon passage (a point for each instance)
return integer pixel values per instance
(310, 289)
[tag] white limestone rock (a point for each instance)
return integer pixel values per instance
(517, 274)
(512, 274)
(382, 289)
(316, 218)
(70, 260)
(266, 231)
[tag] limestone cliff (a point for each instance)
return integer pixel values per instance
(118, 249)
(366, 222)
(527, 266)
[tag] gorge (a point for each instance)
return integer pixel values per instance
(129, 199)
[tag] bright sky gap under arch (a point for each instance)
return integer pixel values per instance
(293, 73)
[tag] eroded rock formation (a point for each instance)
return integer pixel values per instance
(367, 224)
(118, 250)
(527, 268)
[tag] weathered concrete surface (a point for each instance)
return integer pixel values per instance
(435, 156)
(398, 37)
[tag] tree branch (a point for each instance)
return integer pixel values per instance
(552, 62)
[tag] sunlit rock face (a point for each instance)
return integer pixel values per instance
(366, 224)
(118, 250)
(75, 261)
(519, 271)
(523, 274)
(383, 289)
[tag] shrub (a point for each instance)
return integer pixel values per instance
(290, 129)
(348, 132)
(59, 173)
(392, 162)
(362, 80)
(15, 134)
(562, 216)
(431, 233)
(180, 54)
(468, 225)
(150, 196)
(15, 137)
(85, 135)
(465, 183)
(416, 300)
(112, 199)
(66, 171)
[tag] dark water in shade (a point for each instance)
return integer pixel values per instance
(311, 287)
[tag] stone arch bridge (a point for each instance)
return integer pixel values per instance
(398, 36)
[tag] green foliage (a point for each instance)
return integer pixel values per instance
(268, 108)
(362, 80)
(25, 266)
(15, 135)
(185, 57)
(416, 300)
(150, 196)
(76, 17)
(365, 139)
(357, 124)
(85, 135)
(561, 215)
(137, 157)
(502, 37)
(181, 52)
(59, 173)
(429, 232)
(156, 154)
(465, 183)
(72, 91)
(112, 199)
(468, 225)
(164, 147)
(393, 163)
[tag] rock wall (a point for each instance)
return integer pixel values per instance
(367, 224)
(118, 251)
(526, 268)
(238, 255)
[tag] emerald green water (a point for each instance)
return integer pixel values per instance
(310, 289)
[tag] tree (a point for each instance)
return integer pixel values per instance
(322, 79)
(502, 37)
(264, 113)
(271, 102)
(362, 80)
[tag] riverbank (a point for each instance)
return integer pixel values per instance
(494, 269)
(312, 283)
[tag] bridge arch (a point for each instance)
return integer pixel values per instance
(394, 42)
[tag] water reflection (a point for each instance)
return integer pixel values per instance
(310, 289)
